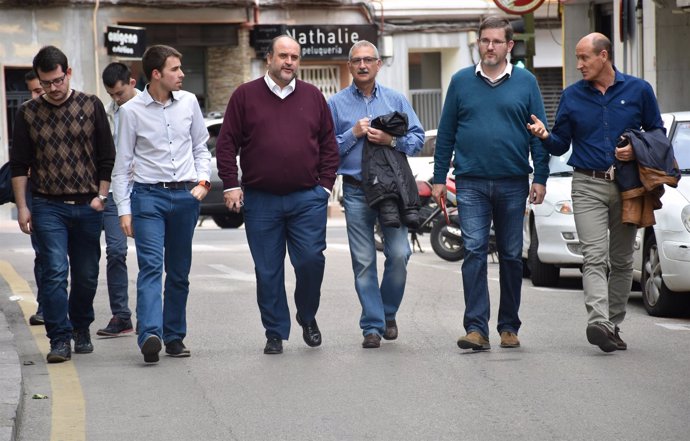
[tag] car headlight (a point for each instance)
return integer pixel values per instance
(685, 217)
(564, 207)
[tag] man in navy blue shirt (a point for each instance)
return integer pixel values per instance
(592, 114)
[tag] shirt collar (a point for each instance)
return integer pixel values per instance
(507, 71)
(355, 90)
(148, 99)
(114, 104)
(273, 85)
(618, 78)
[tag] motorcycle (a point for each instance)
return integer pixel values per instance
(445, 236)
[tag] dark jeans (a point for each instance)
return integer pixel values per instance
(163, 221)
(272, 222)
(116, 258)
(69, 244)
(480, 200)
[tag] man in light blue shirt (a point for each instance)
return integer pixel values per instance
(353, 108)
(162, 150)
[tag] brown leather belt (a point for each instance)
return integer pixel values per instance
(352, 181)
(595, 174)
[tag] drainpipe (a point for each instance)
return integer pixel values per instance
(95, 44)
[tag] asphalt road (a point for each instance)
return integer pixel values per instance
(420, 387)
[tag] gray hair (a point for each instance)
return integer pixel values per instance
(361, 43)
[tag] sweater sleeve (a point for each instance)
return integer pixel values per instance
(445, 138)
(22, 150)
(328, 148)
(103, 142)
(228, 142)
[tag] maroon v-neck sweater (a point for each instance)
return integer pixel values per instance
(284, 145)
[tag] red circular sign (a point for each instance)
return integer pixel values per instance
(518, 7)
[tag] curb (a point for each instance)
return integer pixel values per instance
(10, 377)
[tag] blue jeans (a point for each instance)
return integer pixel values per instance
(116, 258)
(378, 303)
(163, 220)
(272, 222)
(480, 200)
(38, 269)
(69, 242)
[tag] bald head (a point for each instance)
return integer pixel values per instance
(596, 43)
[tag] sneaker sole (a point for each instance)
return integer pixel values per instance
(464, 344)
(151, 347)
(57, 358)
(183, 354)
(599, 337)
(35, 322)
(505, 345)
(104, 333)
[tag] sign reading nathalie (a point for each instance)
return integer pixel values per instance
(317, 41)
(125, 41)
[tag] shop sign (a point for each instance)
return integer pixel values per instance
(317, 41)
(125, 41)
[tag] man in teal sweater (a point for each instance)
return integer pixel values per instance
(484, 123)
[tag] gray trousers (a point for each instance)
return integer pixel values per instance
(606, 243)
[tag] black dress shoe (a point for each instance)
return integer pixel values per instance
(599, 335)
(391, 330)
(274, 345)
(371, 341)
(310, 332)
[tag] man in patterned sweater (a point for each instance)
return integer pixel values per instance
(64, 138)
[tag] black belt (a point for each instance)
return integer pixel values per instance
(595, 174)
(184, 185)
(352, 181)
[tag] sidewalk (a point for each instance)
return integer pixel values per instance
(10, 379)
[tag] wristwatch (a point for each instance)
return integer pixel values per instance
(205, 184)
(103, 199)
(394, 142)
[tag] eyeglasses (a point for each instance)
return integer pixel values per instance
(367, 60)
(487, 42)
(56, 82)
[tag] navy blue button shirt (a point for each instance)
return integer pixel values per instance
(594, 121)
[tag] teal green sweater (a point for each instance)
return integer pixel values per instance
(486, 128)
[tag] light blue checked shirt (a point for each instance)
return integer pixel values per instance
(349, 106)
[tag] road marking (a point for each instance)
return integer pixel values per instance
(233, 273)
(67, 407)
(674, 326)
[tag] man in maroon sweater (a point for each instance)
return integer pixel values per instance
(283, 130)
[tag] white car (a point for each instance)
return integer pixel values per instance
(550, 240)
(422, 164)
(662, 252)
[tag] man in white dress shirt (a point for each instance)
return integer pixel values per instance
(162, 139)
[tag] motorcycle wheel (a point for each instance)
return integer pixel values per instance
(446, 248)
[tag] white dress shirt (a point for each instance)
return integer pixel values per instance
(275, 88)
(161, 142)
(507, 71)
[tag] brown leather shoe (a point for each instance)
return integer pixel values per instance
(599, 335)
(391, 330)
(371, 341)
(475, 341)
(620, 344)
(509, 340)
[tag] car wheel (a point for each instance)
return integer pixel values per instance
(657, 298)
(543, 274)
(230, 220)
(447, 248)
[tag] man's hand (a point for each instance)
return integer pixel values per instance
(625, 153)
(438, 192)
(97, 204)
(126, 225)
(379, 137)
(537, 128)
(234, 199)
(24, 220)
(361, 127)
(537, 193)
(199, 192)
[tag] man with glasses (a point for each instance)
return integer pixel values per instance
(483, 124)
(353, 109)
(64, 138)
(283, 131)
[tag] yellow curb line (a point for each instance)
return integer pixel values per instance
(68, 410)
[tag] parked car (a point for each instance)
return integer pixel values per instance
(550, 240)
(662, 252)
(213, 204)
(422, 164)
